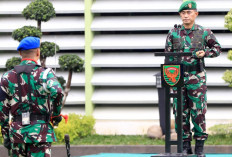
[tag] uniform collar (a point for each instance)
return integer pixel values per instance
(194, 27)
(28, 61)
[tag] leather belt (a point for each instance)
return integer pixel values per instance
(33, 117)
(198, 67)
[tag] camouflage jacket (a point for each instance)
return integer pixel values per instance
(193, 40)
(38, 130)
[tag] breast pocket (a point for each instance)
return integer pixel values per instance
(197, 41)
(177, 44)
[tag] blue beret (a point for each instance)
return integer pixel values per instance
(29, 43)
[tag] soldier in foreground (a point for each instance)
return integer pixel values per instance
(201, 42)
(32, 95)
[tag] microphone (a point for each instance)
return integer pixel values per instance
(66, 139)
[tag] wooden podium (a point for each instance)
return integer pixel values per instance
(172, 75)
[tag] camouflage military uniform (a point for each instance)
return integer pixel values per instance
(194, 90)
(36, 138)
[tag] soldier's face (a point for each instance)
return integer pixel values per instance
(188, 16)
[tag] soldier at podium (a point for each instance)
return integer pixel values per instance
(202, 43)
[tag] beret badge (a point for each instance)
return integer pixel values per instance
(190, 5)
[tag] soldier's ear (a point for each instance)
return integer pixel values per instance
(38, 52)
(20, 53)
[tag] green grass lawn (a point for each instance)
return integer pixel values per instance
(140, 140)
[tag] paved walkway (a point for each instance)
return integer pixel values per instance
(145, 155)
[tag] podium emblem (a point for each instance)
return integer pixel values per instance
(171, 74)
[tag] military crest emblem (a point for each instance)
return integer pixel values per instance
(171, 74)
(190, 5)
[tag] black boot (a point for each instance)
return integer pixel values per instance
(187, 149)
(199, 148)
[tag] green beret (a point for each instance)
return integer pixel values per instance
(188, 5)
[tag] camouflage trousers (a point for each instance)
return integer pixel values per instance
(31, 149)
(194, 106)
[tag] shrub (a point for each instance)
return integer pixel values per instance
(48, 49)
(26, 31)
(222, 129)
(71, 62)
(229, 55)
(228, 24)
(39, 10)
(10, 63)
(78, 126)
(228, 20)
(61, 80)
(228, 77)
